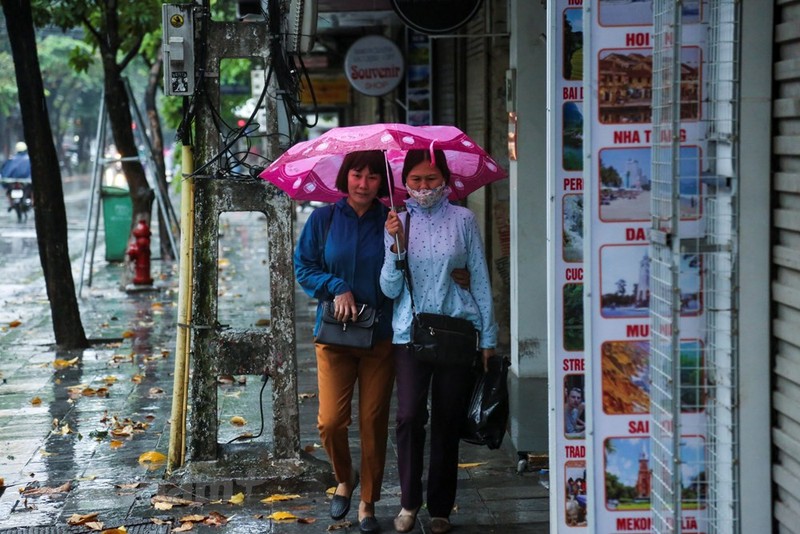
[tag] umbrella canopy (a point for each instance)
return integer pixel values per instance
(307, 170)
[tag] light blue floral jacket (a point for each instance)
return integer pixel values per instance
(442, 238)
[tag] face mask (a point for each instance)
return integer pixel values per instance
(427, 197)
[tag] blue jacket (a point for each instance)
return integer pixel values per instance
(352, 258)
(18, 166)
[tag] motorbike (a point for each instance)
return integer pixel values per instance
(20, 197)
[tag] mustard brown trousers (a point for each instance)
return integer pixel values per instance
(338, 370)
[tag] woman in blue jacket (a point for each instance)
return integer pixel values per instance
(339, 256)
(441, 237)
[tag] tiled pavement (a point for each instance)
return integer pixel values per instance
(86, 422)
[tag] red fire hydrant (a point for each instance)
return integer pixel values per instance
(139, 253)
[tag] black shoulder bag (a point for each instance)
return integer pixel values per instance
(439, 339)
(357, 333)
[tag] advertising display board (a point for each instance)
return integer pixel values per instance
(601, 125)
(569, 467)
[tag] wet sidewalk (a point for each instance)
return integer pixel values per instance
(81, 433)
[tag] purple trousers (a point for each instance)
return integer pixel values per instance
(450, 389)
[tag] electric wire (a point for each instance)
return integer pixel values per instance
(289, 71)
(261, 411)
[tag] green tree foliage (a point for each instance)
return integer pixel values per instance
(8, 88)
(609, 176)
(115, 30)
(73, 84)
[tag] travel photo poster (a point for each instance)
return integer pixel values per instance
(617, 119)
(568, 464)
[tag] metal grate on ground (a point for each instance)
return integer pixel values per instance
(132, 528)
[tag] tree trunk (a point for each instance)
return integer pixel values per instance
(51, 214)
(157, 140)
(120, 119)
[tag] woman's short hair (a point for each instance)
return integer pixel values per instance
(416, 156)
(374, 160)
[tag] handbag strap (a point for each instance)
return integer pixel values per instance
(407, 266)
(325, 238)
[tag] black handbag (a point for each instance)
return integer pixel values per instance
(443, 340)
(440, 339)
(487, 415)
(357, 333)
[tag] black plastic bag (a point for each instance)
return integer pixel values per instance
(487, 414)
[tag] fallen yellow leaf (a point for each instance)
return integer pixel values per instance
(58, 363)
(128, 333)
(237, 499)
(339, 526)
(110, 379)
(15, 323)
(154, 457)
(173, 501)
(77, 519)
(64, 488)
(123, 432)
(133, 485)
(163, 506)
(118, 530)
(116, 444)
(36, 401)
(192, 518)
(277, 497)
(215, 519)
(238, 420)
(137, 378)
(467, 466)
(94, 525)
(282, 516)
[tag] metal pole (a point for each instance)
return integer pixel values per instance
(101, 134)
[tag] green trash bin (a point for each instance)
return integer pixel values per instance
(117, 217)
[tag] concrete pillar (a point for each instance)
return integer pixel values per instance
(529, 221)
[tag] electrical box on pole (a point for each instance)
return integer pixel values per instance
(178, 42)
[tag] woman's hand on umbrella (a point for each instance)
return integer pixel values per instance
(344, 307)
(395, 229)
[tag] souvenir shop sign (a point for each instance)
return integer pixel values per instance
(374, 65)
(435, 16)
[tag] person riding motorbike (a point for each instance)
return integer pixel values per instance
(16, 175)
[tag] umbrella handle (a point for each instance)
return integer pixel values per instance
(391, 203)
